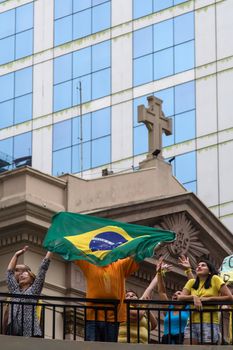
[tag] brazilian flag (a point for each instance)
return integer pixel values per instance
(101, 241)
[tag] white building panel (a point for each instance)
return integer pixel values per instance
(43, 25)
(225, 93)
(121, 63)
(205, 40)
(224, 29)
(42, 89)
(121, 11)
(207, 175)
(226, 172)
(122, 125)
(42, 149)
(206, 106)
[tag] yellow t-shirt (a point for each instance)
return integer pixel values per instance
(143, 331)
(107, 282)
(214, 290)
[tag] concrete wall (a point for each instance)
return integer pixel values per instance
(12, 343)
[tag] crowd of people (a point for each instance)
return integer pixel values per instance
(190, 322)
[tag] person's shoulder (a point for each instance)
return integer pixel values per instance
(217, 279)
(190, 282)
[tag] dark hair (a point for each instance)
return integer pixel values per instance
(132, 291)
(212, 272)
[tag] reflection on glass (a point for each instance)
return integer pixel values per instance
(101, 123)
(101, 151)
(23, 108)
(63, 30)
(184, 56)
(142, 42)
(185, 126)
(6, 114)
(62, 135)
(140, 138)
(62, 162)
(143, 70)
(186, 167)
(163, 63)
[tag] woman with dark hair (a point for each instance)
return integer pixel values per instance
(23, 318)
(207, 286)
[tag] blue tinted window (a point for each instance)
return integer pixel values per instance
(62, 68)
(142, 44)
(23, 45)
(6, 146)
(191, 186)
(101, 83)
(163, 35)
(63, 30)
(7, 20)
(101, 17)
(81, 24)
(23, 108)
(184, 97)
(160, 5)
(62, 135)
(81, 153)
(86, 129)
(184, 28)
(62, 96)
(101, 56)
(23, 145)
(101, 151)
(185, 126)
(143, 70)
(101, 123)
(97, 2)
(62, 162)
(24, 17)
(186, 167)
(6, 87)
(79, 5)
(167, 96)
(184, 56)
(62, 8)
(82, 62)
(7, 49)
(163, 63)
(86, 89)
(140, 140)
(23, 81)
(6, 114)
(141, 8)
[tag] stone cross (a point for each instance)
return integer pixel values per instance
(156, 123)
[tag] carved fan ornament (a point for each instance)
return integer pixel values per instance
(187, 238)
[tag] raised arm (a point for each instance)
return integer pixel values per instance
(14, 259)
(184, 262)
(38, 284)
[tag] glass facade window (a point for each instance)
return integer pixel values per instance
(164, 49)
(185, 170)
(16, 151)
(86, 145)
(91, 67)
(79, 18)
(145, 7)
(175, 106)
(16, 33)
(15, 97)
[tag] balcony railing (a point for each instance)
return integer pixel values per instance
(65, 317)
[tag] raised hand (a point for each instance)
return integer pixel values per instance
(184, 262)
(21, 251)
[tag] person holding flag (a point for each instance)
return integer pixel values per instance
(107, 252)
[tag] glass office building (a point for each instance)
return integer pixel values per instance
(72, 73)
